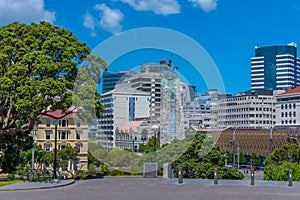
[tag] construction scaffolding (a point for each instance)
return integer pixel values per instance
(171, 113)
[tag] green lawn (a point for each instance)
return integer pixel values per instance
(4, 182)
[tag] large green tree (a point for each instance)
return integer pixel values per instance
(39, 72)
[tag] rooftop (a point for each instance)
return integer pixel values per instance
(130, 125)
(292, 91)
(60, 113)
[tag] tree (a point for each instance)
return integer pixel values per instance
(256, 159)
(149, 147)
(97, 154)
(63, 156)
(287, 153)
(12, 145)
(38, 71)
(201, 158)
(119, 158)
(243, 159)
(281, 161)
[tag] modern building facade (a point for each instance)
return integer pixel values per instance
(148, 80)
(71, 131)
(122, 105)
(109, 80)
(250, 109)
(202, 111)
(275, 67)
(161, 82)
(288, 108)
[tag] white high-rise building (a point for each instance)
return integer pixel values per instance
(121, 105)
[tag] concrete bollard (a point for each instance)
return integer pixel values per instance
(216, 176)
(290, 178)
(180, 177)
(252, 177)
(166, 170)
(170, 175)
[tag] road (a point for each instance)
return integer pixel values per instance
(149, 189)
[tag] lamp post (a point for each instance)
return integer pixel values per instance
(34, 136)
(238, 157)
(133, 152)
(155, 129)
(55, 149)
(271, 138)
(233, 144)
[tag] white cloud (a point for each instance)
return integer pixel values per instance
(110, 18)
(161, 7)
(90, 23)
(24, 11)
(206, 5)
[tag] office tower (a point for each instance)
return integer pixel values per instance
(109, 80)
(121, 105)
(275, 67)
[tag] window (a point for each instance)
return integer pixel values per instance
(78, 146)
(63, 135)
(63, 123)
(78, 123)
(78, 133)
(47, 147)
(48, 134)
(48, 122)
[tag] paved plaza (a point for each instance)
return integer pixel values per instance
(133, 188)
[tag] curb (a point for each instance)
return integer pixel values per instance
(39, 188)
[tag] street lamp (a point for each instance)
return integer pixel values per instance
(233, 144)
(34, 136)
(133, 150)
(238, 157)
(271, 138)
(155, 129)
(55, 149)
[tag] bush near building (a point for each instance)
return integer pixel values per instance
(200, 160)
(282, 160)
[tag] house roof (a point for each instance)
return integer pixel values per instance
(131, 124)
(60, 113)
(292, 91)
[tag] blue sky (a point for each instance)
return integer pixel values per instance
(227, 29)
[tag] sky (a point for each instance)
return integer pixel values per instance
(228, 30)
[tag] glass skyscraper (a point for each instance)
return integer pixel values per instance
(275, 67)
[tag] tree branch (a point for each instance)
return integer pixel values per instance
(8, 114)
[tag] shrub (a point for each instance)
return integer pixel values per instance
(280, 172)
(81, 174)
(117, 172)
(11, 177)
(230, 173)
